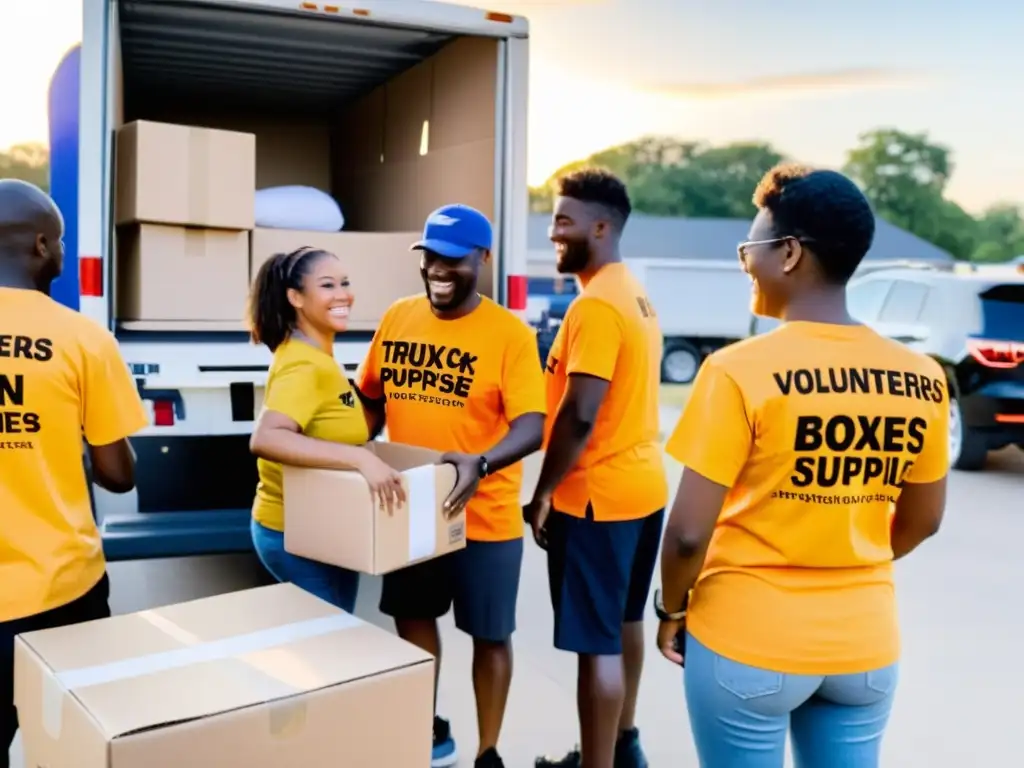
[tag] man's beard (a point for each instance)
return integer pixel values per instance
(461, 291)
(575, 258)
(45, 277)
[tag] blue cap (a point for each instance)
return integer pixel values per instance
(455, 231)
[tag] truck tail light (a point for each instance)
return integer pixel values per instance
(996, 354)
(517, 292)
(163, 413)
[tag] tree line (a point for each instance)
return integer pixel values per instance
(28, 162)
(903, 174)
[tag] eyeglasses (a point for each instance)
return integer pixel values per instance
(742, 248)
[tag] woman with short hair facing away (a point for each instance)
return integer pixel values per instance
(815, 455)
(311, 416)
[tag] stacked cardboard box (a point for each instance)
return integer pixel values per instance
(263, 678)
(184, 206)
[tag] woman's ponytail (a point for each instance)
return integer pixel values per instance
(271, 315)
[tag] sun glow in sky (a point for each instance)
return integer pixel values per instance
(804, 75)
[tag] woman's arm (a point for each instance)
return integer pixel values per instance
(278, 438)
(919, 511)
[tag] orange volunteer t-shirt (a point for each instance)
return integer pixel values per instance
(456, 385)
(813, 428)
(611, 331)
(61, 376)
(309, 387)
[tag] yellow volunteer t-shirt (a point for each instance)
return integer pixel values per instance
(456, 385)
(61, 377)
(309, 387)
(611, 332)
(814, 428)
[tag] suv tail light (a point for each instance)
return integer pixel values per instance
(996, 354)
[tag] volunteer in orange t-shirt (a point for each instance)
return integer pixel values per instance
(600, 499)
(455, 372)
(62, 379)
(815, 455)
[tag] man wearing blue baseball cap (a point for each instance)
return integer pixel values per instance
(455, 372)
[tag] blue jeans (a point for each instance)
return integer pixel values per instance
(338, 586)
(740, 715)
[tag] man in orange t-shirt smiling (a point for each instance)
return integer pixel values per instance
(455, 372)
(600, 499)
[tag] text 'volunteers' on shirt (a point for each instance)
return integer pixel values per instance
(61, 377)
(456, 385)
(309, 387)
(611, 332)
(813, 428)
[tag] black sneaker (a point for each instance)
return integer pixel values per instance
(572, 760)
(489, 759)
(628, 752)
(444, 753)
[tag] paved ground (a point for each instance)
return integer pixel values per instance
(962, 687)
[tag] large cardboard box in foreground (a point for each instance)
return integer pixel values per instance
(178, 174)
(380, 265)
(332, 518)
(182, 274)
(265, 678)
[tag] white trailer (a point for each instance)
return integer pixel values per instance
(172, 60)
(702, 306)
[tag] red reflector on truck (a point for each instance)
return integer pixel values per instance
(90, 276)
(517, 292)
(163, 413)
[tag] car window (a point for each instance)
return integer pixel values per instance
(904, 302)
(865, 300)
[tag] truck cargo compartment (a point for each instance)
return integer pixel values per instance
(391, 122)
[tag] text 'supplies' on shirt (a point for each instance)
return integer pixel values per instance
(814, 428)
(611, 332)
(309, 387)
(456, 385)
(62, 378)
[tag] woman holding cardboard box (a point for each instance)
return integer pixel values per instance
(311, 416)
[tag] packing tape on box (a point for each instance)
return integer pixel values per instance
(199, 152)
(57, 684)
(422, 502)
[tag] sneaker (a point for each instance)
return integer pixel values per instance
(572, 760)
(628, 752)
(444, 754)
(489, 759)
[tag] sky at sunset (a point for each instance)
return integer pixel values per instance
(806, 75)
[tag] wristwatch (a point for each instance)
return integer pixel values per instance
(484, 468)
(662, 614)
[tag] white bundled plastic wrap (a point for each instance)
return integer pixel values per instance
(298, 207)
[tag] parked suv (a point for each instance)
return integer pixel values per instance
(973, 324)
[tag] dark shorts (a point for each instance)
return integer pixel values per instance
(480, 581)
(600, 577)
(94, 604)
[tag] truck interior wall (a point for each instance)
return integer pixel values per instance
(423, 139)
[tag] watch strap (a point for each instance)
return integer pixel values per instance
(662, 614)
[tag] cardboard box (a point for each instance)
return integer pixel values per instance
(380, 265)
(264, 678)
(181, 274)
(332, 518)
(177, 174)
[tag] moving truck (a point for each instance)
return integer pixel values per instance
(394, 107)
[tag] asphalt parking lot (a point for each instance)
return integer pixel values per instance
(961, 690)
